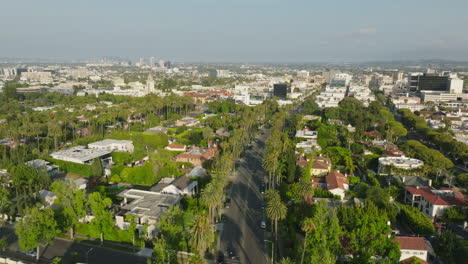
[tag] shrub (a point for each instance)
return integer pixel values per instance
(418, 222)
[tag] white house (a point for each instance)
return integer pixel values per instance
(412, 247)
(113, 145)
(146, 206)
(433, 202)
(335, 182)
(180, 186)
(81, 154)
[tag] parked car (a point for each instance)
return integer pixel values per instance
(31, 253)
(263, 224)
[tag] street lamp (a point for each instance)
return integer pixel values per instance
(272, 250)
(87, 253)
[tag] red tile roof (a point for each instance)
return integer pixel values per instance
(336, 180)
(176, 146)
(301, 161)
(321, 163)
(411, 243)
(434, 199)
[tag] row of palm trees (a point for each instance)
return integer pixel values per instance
(244, 130)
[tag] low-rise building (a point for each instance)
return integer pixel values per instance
(188, 122)
(308, 146)
(113, 145)
(82, 155)
(180, 186)
(411, 247)
(176, 147)
(40, 164)
(146, 206)
(156, 130)
(306, 133)
(197, 156)
(404, 163)
(433, 202)
(320, 166)
(335, 182)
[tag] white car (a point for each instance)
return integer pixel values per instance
(31, 253)
(263, 224)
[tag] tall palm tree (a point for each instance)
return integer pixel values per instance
(307, 226)
(201, 234)
(306, 190)
(276, 210)
(211, 196)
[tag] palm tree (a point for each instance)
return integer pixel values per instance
(276, 210)
(307, 226)
(306, 190)
(286, 261)
(201, 234)
(211, 196)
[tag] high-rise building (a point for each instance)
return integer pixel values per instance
(212, 73)
(281, 90)
(427, 82)
(161, 63)
(150, 84)
(455, 85)
(167, 64)
(151, 62)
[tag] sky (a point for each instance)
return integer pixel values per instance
(301, 31)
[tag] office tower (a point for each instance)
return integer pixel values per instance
(281, 90)
(151, 62)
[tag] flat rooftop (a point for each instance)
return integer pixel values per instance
(79, 154)
(107, 142)
(147, 203)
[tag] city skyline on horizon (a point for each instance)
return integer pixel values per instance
(242, 32)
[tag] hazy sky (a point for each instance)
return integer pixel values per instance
(236, 30)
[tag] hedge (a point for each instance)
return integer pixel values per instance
(417, 221)
(71, 167)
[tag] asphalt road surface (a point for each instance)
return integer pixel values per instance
(242, 230)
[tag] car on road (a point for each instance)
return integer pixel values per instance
(31, 253)
(220, 258)
(227, 203)
(263, 224)
(223, 218)
(262, 189)
(232, 252)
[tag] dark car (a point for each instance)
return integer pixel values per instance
(231, 253)
(220, 258)
(227, 203)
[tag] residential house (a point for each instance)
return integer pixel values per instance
(222, 132)
(335, 182)
(176, 147)
(306, 133)
(156, 130)
(113, 145)
(40, 164)
(180, 186)
(47, 197)
(146, 206)
(188, 122)
(411, 247)
(82, 155)
(197, 156)
(320, 166)
(198, 172)
(433, 202)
